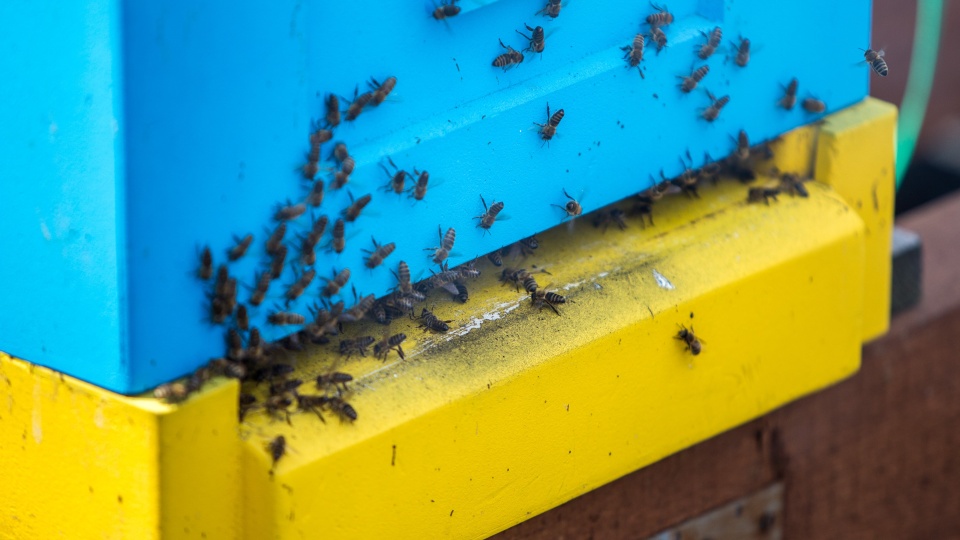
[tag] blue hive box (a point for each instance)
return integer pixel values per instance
(137, 132)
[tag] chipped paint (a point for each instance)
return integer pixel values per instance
(662, 280)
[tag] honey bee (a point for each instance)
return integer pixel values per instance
(446, 10)
(205, 271)
(276, 263)
(713, 111)
(379, 253)
(548, 130)
(441, 253)
(742, 153)
(388, 343)
(359, 309)
(243, 320)
(223, 275)
(342, 409)
(690, 340)
(228, 368)
(333, 110)
(337, 378)
(513, 275)
(334, 285)
(284, 386)
(260, 290)
(419, 190)
(495, 257)
(793, 184)
(743, 52)
(280, 318)
(382, 90)
(295, 290)
(489, 215)
(289, 212)
(657, 36)
(689, 83)
(536, 39)
(315, 197)
(311, 167)
(789, 98)
(661, 18)
(340, 178)
(572, 208)
(277, 406)
(633, 54)
(542, 297)
(240, 249)
(352, 212)
(469, 270)
(397, 180)
(276, 239)
(247, 402)
(317, 137)
(714, 38)
(552, 9)
(219, 310)
(812, 105)
(357, 105)
(255, 350)
(403, 278)
(339, 241)
(508, 59)
(339, 152)
(603, 219)
(312, 403)
(876, 61)
(429, 321)
(174, 392)
(234, 345)
(356, 345)
(761, 194)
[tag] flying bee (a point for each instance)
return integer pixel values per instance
(359, 309)
(205, 271)
(446, 10)
(689, 83)
(333, 110)
(661, 18)
(339, 241)
(276, 263)
(793, 184)
(381, 90)
(429, 321)
(441, 253)
(812, 105)
(388, 343)
(713, 111)
(489, 215)
(174, 392)
(536, 39)
(357, 345)
(761, 194)
(260, 291)
(240, 249)
(714, 38)
(876, 61)
(508, 59)
(548, 130)
(743, 52)
(352, 212)
(542, 297)
(295, 290)
(495, 257)
(242, 319)
(789, 98)
(289, 212)
(398, 178)
(690, 340)
(337, 378)
(334, 285)
(276, 239)
(344, 410)
(315, 197)
(657, 36)
(281, 318)
(633, 54)
(357, 105)
(379, 253)
(572, 208)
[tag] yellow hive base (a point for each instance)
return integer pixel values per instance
(516, 411)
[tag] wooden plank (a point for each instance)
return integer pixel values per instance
(874, 456)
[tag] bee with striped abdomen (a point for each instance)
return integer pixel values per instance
(713, 111)
(315, 197)
(446, 10)
(356, 106)
(441, 252)
(205, 271)
(548, 130)
(876, 61)
(280, 318)
(743, 52)
(289, 212)
(388, 343)
(536, 38)
(352, 212)
(356, 345)
(338, 243)
(552, 9)
(762, 194)
(295, 290)
(661, 18)
(276, 238)
(398, 178)
(789, 98)
(489, 215)
(379, 253)
(714, 38)
(240, 249)
(633, 54)
(543, 297)
(334, 285)
(333, 110)
(690, 82)
(658, 37)
(572, 208)
(508, 59)
(381, 90)
(814, 106)
(429, 321)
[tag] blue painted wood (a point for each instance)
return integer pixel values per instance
(213, 104)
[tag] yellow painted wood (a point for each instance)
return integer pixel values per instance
(855, 156)
(83, 462)
(515, 411)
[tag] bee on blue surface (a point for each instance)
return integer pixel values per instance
(713, 111)
(379, 253)
(714, 38)
(536, 38)
(352, 212)
(661, 18)
(548, 130)
(552, 9)
(489, 215)
(812, 105)
(381, 90)
(690, 82)
(572, 208)
(446, 10)
(789, 98)
(334, 285)
(441, 253)
(333, 111)
(658, 37)
(633, 54)
(508, 59)
(205, 271)
(743, 52)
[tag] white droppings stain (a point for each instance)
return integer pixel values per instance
(45, 231)
(573, 285)
(662, 280)
(98, 419)
(37, 415)
(603, 274)
(475, 322)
